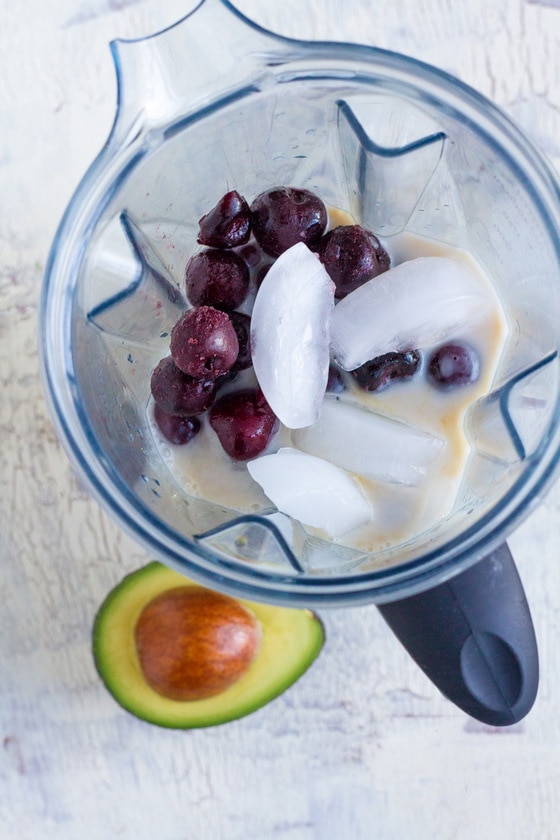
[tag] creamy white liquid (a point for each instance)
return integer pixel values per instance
(202, 469)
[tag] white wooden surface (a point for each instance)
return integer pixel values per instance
(363, 746)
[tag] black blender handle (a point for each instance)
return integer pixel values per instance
(474, 638)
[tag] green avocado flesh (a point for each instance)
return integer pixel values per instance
(291, 641)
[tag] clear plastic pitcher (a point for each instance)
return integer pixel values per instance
(216, 103)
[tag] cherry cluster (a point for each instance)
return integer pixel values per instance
(210, 343)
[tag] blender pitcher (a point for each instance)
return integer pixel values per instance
(216, 103)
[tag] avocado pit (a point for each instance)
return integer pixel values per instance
(193, 643)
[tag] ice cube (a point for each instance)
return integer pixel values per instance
(369, 444)
(417, 304)
(312, 490)
(290, 335)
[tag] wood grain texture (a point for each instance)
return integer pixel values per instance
(363, 746)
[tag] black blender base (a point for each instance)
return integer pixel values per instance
(473, 636)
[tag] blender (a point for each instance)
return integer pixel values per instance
(216, 102)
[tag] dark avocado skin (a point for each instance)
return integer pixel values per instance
(291, 640)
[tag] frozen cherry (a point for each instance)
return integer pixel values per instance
(225, 378)
(244, 423)
(217, 278)
(453, 365)
(261, 273)
(351, 255)
(177, 393)
(228, 224)
(378, 373)
(204, 342)
(283, 216)
(242, 325)
(176, 429)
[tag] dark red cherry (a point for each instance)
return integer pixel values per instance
(178, 393)
(352, 255)
(204, 342)
(283, 216)
(378, 373)
(261, 273)
(453, 365)
(217, 278)
(242, 326)
(244, 423)
(228, 224)
(176, 429)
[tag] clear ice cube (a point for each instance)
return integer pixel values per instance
(369, 444)
(290, 335)
(417, 304)
(312, 490)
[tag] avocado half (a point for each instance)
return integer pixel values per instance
(291, 640)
